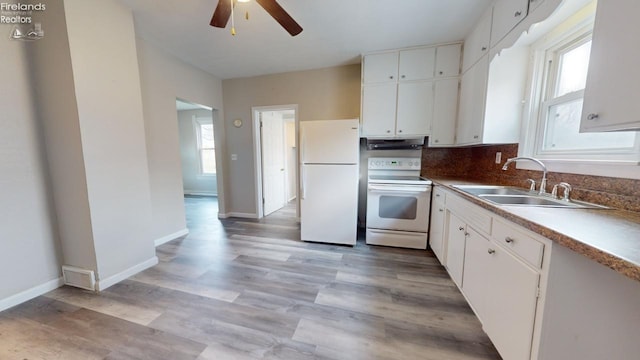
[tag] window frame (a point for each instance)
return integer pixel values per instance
(610, 162)
(198, 122)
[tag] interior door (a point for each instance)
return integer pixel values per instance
(273, 161)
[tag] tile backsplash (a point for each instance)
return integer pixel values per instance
(477, 163)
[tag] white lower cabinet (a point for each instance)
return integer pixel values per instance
(510, 304)
(437, 222)
(456, 239)
(476, 273)
(499, 268)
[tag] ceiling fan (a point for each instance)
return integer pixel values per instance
(223, 12)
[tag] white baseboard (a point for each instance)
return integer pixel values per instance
(112, 280)
(238, 215)
(170, 237)
(29, 294)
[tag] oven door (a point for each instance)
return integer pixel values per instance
(398, 207)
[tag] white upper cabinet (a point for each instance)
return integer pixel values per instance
(445, 112)
(378, 68)
(506, 15)
(533, 4)
(417, 64)
(399, 90)
(613, 80)
(415, 108)
(491, 99)
(379, 109)
(448, 60)
(472, 103)
(477, 43)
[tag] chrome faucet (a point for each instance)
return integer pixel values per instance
(543, 182)
(567, 191)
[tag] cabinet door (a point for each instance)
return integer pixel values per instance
(511, 306)
(473, 92)
(415, 108)
(448, 60)
(533, 4)
(379, 68)
(445, 112)
(613, 80)
(506, 15)
(477, 43)
(436, 233)
(456, 238)
(476, 272)
(417, 64)
(379, 110)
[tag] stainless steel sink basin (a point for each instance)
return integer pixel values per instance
(491, 190)
(507, 195)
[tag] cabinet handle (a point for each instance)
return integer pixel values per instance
(476, 136)
(403, 76)
(440, 72)
(399, 131)
(437, 195)
(592, 116)
(484, 48)
(441, 210)
(508, 240)
(436, 141)
(466, 234)
(461, 228)
(388, 131)
(518, 13)
(491, 251)
(391, 77)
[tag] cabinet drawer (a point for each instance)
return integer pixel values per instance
(474, 215)
(439, 194)
(529, 249)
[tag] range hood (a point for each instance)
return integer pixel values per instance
(395, 144)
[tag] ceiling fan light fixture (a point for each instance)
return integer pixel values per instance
(243, 1)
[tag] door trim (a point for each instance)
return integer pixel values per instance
(257, 153)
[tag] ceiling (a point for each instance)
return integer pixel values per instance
(336, 32)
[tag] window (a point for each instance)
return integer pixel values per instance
(206, 146)
(561, 62)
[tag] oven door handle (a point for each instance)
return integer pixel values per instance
(395, 232)
(403, 189)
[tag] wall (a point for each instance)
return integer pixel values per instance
(165, 78)
(331, 93)
(193, 181)
(58, 115)
(29, 249)
(109, 104)
(478, 163)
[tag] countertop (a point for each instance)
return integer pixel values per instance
(608, 236)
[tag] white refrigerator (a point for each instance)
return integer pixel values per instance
(329, 157)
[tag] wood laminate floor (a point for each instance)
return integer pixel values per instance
(246, 289)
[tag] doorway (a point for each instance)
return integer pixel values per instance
(200, 161)
(276, 157)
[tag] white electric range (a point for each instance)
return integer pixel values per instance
(398, 203)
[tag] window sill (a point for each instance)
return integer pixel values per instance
(617, 169)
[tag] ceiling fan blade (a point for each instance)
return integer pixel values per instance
(222, 14)
(282, 17)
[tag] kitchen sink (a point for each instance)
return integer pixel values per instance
(507, 195)
(491, 190)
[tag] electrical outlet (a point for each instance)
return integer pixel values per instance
(498, 157)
